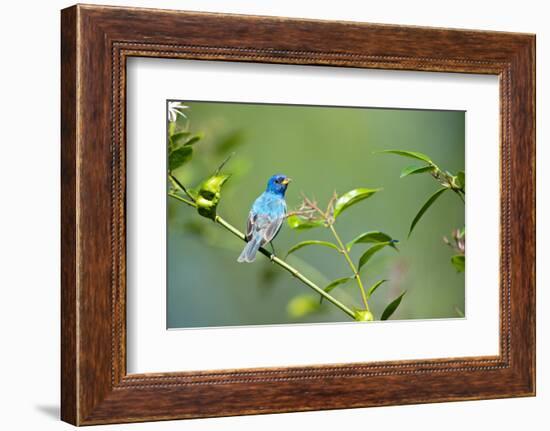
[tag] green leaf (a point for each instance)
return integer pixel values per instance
(193, 140)
(369, 253)
(178, 139)
(411, 154)
(372, 237)
(461, 176)
(300, 223)
(336, 283)
(311, 242)
(459, 262)
(209, 195)
(425, 207)
(412, 170)
(213, 185)
(374, 287)
(181, 139)
(179, 156)
(302, 305)
(352, 197)
(392, 306)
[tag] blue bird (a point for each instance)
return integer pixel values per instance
(266, 217)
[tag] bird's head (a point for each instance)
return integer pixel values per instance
(277, 184)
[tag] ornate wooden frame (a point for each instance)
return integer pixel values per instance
(95, 42)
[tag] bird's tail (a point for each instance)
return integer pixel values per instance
(249, 252)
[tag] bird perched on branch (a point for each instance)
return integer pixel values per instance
(266, 217)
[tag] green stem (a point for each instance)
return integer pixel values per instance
(461, 195)
(351, 265)
(179, 198)
(287, 267)
(179, 185)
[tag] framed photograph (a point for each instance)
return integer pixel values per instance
(264, 215)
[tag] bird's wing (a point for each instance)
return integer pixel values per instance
(272, 228)
(250, 225)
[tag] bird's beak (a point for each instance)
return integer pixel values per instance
(286, 181)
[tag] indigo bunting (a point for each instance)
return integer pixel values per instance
(266, 217)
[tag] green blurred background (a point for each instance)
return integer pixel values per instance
(323, 149)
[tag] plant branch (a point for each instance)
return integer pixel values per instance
(222, 164)
(329, 220)
(219, 220)
(178, 197)
(180, 186)
(460, 193)
(304, 213)
(351, 265)
(287, 267)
